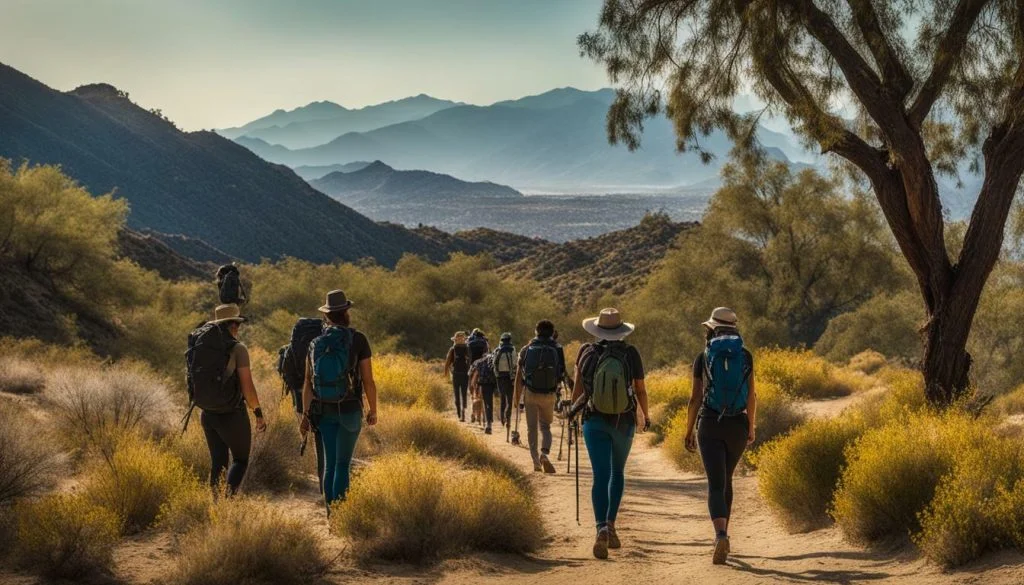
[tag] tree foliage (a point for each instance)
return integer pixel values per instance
(936, 86)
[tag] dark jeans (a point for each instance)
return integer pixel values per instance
(460, 385)
(487, 391)
(721, 447)
(228, 433)
(505, 391)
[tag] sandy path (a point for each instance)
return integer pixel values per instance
(667, 537)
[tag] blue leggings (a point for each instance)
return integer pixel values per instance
(338, 434)
(608, 445)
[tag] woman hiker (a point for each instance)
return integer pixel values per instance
(457, 364)
(339, 375)
(723, 406)
(227, 431)
(610, 378)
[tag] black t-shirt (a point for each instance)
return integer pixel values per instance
(633, 360)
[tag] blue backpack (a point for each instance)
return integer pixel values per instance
(727, 371)
(330, 354)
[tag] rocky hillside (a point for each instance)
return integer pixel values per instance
(378, 183)
(579, 272)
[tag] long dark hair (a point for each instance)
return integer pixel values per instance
(340, 318)
(719, 331)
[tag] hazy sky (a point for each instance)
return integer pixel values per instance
(220, 63)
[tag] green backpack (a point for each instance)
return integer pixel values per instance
(611, 387)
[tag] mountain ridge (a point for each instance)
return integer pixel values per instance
(384, 184)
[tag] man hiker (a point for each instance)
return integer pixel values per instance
(482, 377)
(723, 407)
(504, 370)
(339, 375)
(478, 345)
(610, 395)
(540, 370)
(457, 364)
(220, 384)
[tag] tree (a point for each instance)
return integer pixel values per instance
(937, 85)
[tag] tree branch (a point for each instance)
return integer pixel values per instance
(894, 73)
(947, 52)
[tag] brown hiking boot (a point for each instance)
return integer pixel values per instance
(721, 551)
(613, 538)
(601, 544)
(546, 464)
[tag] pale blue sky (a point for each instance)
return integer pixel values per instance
(223, 62)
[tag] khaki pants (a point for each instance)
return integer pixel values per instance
(540, 412)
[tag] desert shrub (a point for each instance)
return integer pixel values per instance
(887, 323)
(274, 461)
(799, 373)
(249, 541)
(95, 406)
(675, 444)
(19, 376)
(413, 507)
(969, 515)
(65, 537)
(156, 330)
(868, 361)
(798, 473)
(430, 433)
(36, 351)
(137, 482)
(668, 392)
(407, 381)
(28, 461)
(191, 449)
(893, 471)
(904, 396)
(1010, 403)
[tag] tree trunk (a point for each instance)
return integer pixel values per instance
(946, 362)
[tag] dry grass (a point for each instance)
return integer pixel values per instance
(94, 407)
(249, 541)
(1010, 403)
(20, 376)
(868, 361)
(413, 507)
(65, 537)
(28, 463)
(410, 382)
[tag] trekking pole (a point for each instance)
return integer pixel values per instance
(561, 437)
(577, 432)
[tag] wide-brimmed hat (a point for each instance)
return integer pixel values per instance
(460, 336)
(722, 317)
(336, 301)
(478, 333)
(227, 313)
(608, 325)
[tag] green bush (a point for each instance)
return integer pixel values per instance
(668, 392)
(413, 507)
(893, 472)
(868, 361)
(65, 537)
(137, 482)
(28, 461)
(887, 323)
(249, 541)
(799, 374)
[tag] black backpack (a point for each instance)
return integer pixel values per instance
(477, 347)
(292, 360)
(460, 359)
(485, 371)
(541, 370)
(229, 283)
(209, 349)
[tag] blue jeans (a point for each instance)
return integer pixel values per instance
(338, 433)
(608, 445)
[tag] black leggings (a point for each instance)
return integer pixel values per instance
(505, 390)
(487, 391)
(228, 433)
(721, 446)
(460, 384)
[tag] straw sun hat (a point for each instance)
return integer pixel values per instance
(722, 317)
(608, 325)
(227, 313)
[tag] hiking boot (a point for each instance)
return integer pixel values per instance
(613, 538)
(601, 544)
(546, 464)
(487, 430)
(462, 417)
(721, 550)
(537, 467)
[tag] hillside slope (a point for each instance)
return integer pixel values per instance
(197, 184)
(382, 184)
(579, 272)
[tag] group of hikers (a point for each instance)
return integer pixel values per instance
(327, 368)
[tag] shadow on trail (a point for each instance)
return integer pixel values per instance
(840, 577)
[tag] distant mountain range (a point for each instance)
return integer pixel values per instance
(321, 122)
(555, 141)
(315, 172)
(197, 184)
(382, 184)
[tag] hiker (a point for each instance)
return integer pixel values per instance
(610, 380)
(723, 406)
(291, 366)
(484, 381)
(339, 375)
(220, 384)
(478, 345)
(540, 370)
(504, 370)
(457, 364)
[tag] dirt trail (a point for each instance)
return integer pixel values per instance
(667, 538)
